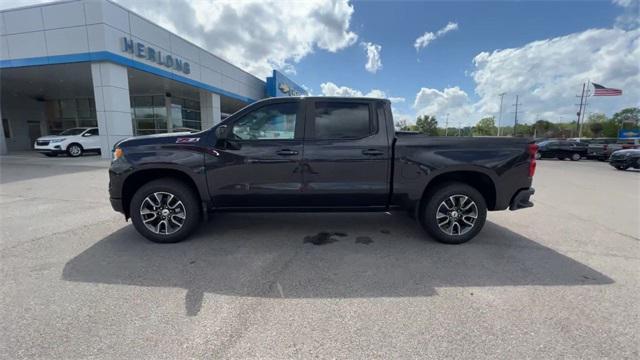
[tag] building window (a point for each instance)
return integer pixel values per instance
(64, 114)
(7, 128)
(185, 114)
(149, 114)
(154, 115)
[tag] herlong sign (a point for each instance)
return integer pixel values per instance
(147, 52)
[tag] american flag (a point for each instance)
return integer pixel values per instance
(604, 91)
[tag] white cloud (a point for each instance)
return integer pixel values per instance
(256, 35)
(331, 89)
(374, 62)
(630, 18)
(426, 38)
(452, 100)
(547, 74)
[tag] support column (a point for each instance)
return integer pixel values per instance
(210, 112)
(113, 107)
(3, 140)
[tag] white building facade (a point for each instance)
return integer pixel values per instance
(95, 63)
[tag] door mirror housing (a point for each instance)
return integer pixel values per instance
(86, 134)
(221, 132)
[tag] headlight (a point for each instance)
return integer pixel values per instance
(53, 141)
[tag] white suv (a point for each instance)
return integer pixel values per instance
(72, 141)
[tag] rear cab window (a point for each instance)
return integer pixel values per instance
(341, 120)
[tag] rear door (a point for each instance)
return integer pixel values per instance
(346, 155)
(259, 164)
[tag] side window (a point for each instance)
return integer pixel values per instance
(270, 122)
(347, 120)
(93, 132)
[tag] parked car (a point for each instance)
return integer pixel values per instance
(624, 159)
(623, 144)
(562, 149)
(598, 148)
(74, 142)
(318, 154)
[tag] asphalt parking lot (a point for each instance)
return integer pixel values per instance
(558, 280)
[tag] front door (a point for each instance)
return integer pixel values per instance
(346, 155)
(258, 165)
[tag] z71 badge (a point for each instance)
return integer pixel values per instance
(186, 140)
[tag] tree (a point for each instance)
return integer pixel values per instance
(543, 128)
(596, 124)
(427, 125)
(401, 124)
(486, 127)
(628, 117)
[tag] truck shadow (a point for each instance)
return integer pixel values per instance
(373, 255)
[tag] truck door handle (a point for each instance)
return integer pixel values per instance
(372, 152)
(286, 152)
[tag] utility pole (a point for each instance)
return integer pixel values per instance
(515, 122)
(584, 108)
(579, 113)
(446, 125)
(500, 118)
(460, 128)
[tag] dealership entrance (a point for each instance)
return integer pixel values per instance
(46, 100)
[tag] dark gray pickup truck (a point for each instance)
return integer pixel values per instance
(318, 154)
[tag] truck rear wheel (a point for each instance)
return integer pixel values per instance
(165, 210)
(453, 213)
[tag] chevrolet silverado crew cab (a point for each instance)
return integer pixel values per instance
(318, 154)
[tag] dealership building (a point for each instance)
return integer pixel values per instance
(88, 63)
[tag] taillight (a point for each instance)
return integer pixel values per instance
(533, 149)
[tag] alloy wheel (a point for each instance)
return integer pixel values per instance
(74, 150)
(457, 215)
(163, 213)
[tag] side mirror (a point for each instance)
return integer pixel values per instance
(86, 134)
(221, 132)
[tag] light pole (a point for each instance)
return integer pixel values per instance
(446, 125)
(500, 118)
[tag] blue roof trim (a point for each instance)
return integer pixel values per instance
(118, 59)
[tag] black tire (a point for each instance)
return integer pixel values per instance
(74, 150)
(560, 157)
(622, 167)
(183, 193)
(435, 198)
(50, 154)
(575, 157)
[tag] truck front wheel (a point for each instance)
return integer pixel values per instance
(453, 213)
(165, 210)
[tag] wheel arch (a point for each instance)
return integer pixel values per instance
(73, 143)
(475, 178)
(137, 179)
